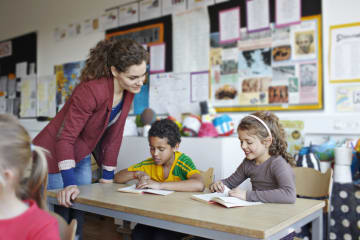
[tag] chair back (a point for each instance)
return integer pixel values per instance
(67, 231)
(314, 184)
(208, 176)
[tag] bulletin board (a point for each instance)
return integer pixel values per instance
(23, 50)
(18, 50)
(150, 32)
(266, 70)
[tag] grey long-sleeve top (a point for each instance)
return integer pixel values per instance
(273, 181)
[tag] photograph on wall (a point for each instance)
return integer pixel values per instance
(5, 49)
(308, 82)
(229, 61)
(255, 62)
(304, 40)
(281, 45)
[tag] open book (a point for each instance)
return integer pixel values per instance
(133, 189)
(224, 199)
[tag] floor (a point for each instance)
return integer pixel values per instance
(98, 227)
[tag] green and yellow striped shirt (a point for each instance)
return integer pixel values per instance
(182, 168)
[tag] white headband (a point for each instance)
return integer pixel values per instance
(263, 123)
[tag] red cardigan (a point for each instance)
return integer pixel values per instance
(80, 125)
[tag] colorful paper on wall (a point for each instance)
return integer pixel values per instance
(294, 134)
(347, 98)
(67, 77)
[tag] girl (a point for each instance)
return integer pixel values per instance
(92, 120)
(23, 176)
(267, 163)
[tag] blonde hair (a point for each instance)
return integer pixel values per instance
(29, 162)
(277, 133)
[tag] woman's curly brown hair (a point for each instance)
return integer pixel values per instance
(279, 144)
(120, 53)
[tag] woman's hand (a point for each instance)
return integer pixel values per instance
(238, 193)
(217, 187)
(68, 194)
(106, 180)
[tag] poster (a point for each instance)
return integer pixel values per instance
(274, 69)
(344, 53)
(295, 137)
(67, 77)
(347, 98)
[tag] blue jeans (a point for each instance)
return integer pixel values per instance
(83, 176)
(82, 171)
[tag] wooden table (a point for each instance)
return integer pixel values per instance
(178, 212)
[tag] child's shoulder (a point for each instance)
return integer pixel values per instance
(146, 162)
(278, 161)
(182, 157)
(39, 215)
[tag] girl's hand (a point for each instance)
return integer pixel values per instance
(217, 187)
(106, 180)
(238, 193)
(149, 184)
(68, 194)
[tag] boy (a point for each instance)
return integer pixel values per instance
(167, 169)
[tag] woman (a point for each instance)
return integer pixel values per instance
(93, 119)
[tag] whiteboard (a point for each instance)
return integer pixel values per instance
(169, 94)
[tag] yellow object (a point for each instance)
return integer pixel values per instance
(182, 168)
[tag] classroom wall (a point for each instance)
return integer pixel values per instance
(44, 16)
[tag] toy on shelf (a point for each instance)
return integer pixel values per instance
(176, 122)
(144, 120)
(207, 128)
(224, 125)
(191, 125)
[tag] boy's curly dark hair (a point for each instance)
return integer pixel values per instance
(120, 53)
(279, 144)
(166, 128)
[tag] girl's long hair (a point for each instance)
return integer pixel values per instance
(29, 162)
(279, 144)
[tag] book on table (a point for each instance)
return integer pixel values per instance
(223, 199)
(133, 189)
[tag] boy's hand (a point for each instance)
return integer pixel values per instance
(238, 193)
(149, 184)
(217, 187)
(141, 175)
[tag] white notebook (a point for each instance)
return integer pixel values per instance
(133, 189)
(224, 199)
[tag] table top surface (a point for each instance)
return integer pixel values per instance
(258, 221)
